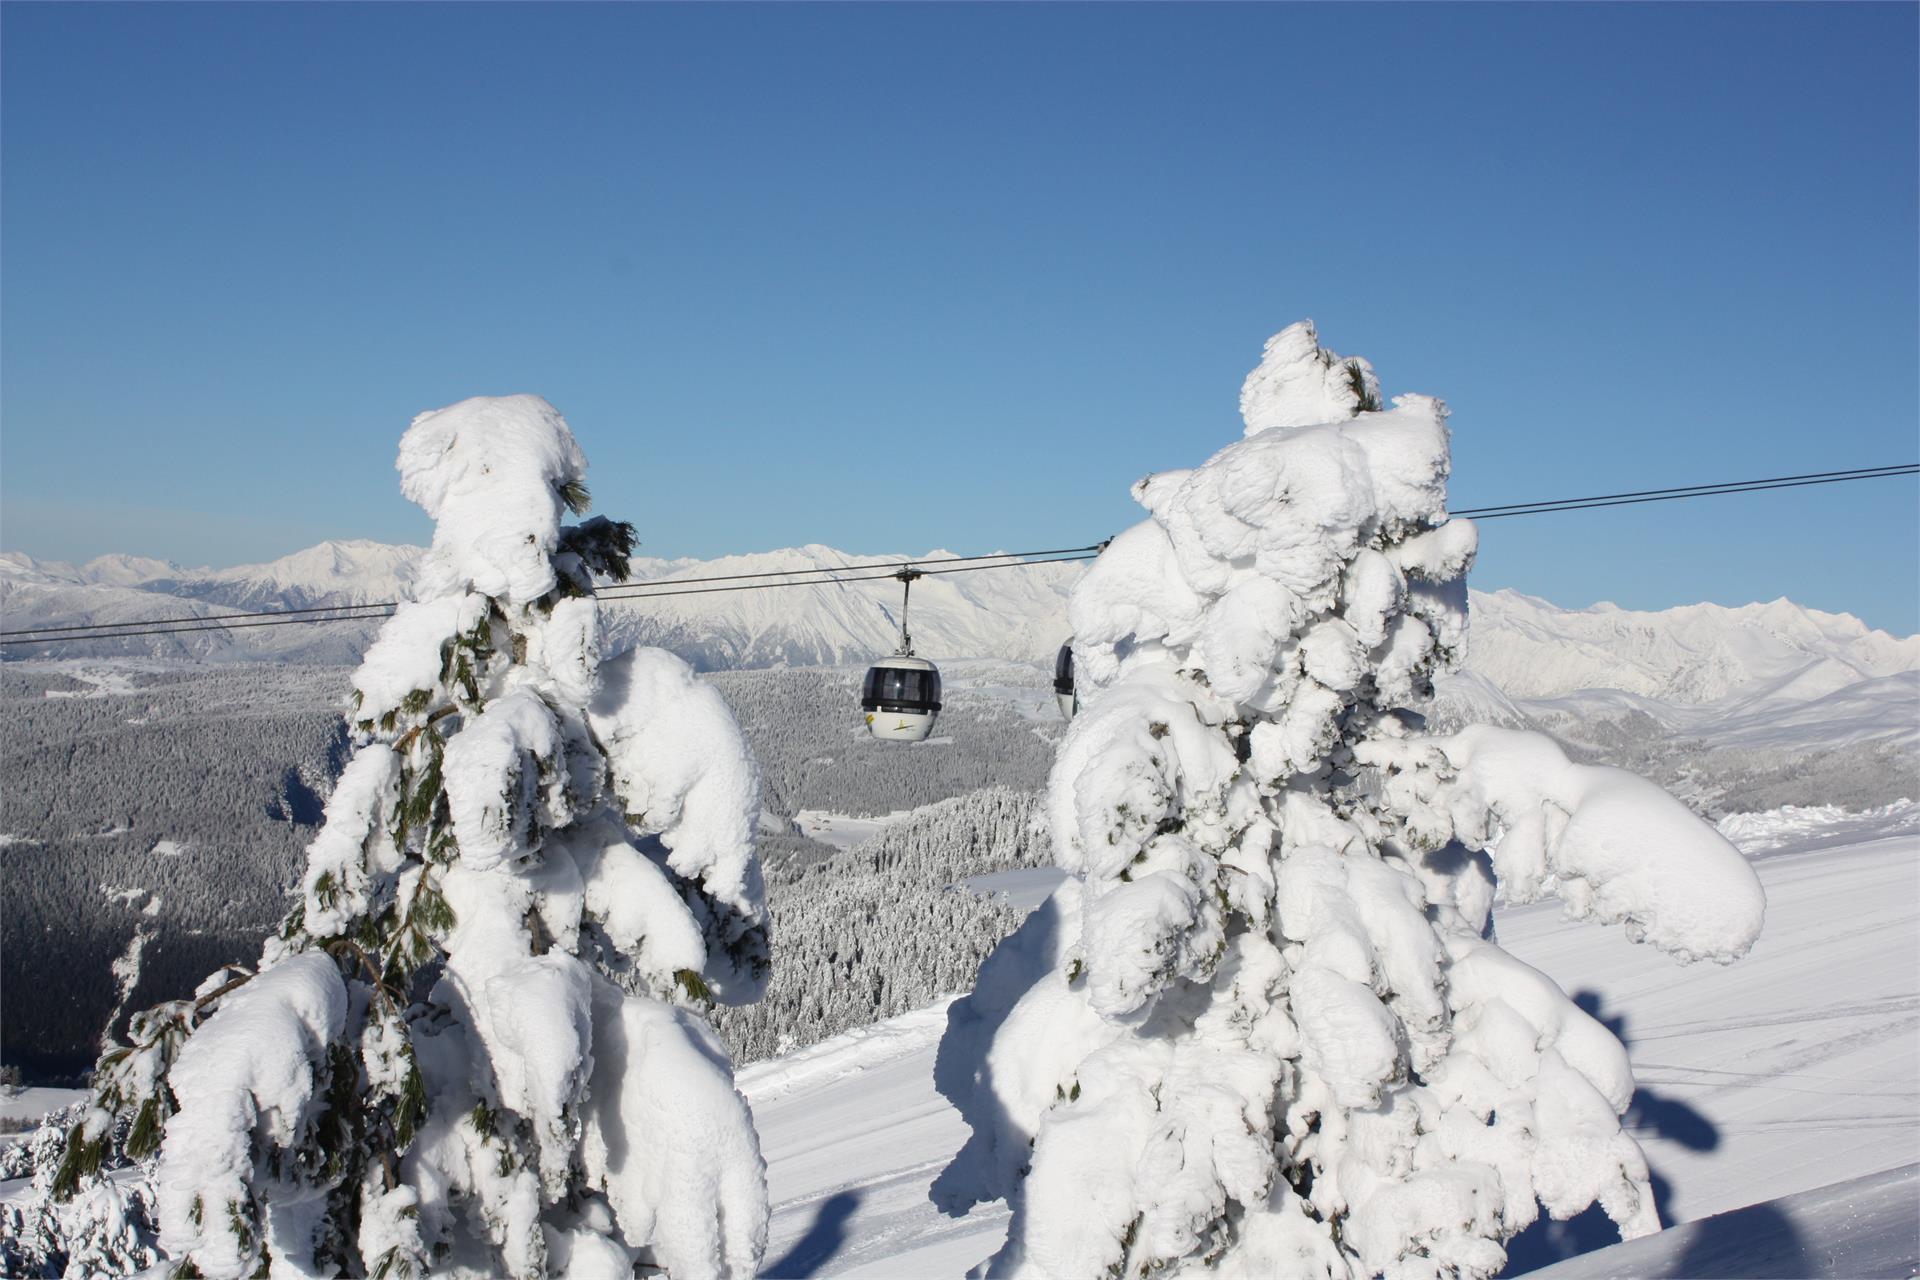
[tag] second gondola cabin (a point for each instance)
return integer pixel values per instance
(1063, 691)
(901, 697)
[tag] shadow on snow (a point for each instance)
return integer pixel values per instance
(1721, 1246)
(822, 1240)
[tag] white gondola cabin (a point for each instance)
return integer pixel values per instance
(901, 694)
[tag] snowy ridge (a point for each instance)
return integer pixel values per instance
(355, 571)
(1017, 613)
(1520, 647)
(1690, 654)
(124, 589)
(351, 571)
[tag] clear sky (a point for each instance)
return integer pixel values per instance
(899, 277)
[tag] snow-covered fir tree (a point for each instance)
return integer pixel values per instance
(477, 1045)
(108, 1229)
(1266, 1028)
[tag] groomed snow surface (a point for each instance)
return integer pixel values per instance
(1784, 1075)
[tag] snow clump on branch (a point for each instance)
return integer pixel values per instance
(1266, 1028)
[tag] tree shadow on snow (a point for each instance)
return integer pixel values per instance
(822, 1240)
(1547, 1241)
(1758, 1242)
(964, 1077)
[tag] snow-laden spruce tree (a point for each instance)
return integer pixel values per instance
(477, 1045)
(1265, 1029)
(106, 1230)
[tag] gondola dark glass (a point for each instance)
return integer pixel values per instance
(1063, 682)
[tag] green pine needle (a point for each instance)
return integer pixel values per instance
(1357, 379)
(81, 1161)
(144, 1140)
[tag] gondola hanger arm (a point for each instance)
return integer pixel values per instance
(906, 575)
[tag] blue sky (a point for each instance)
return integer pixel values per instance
(897, 277)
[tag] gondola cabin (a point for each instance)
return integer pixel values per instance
(901, 696)
(1063, 682)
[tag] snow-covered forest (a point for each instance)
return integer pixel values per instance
(886, 926)
(154, 821)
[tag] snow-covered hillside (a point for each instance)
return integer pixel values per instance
(1691, 654)
(1789, 1071)
(1523, 647)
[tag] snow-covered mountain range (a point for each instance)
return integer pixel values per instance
(1574, 663)
(1015, 612)
(1693, 653)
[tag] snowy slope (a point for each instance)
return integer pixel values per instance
(1789, 1071)
(30, 1104)
(1877, 707)
(853, 1134)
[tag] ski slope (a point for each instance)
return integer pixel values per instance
(853, 1134)
(1793, 1070)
